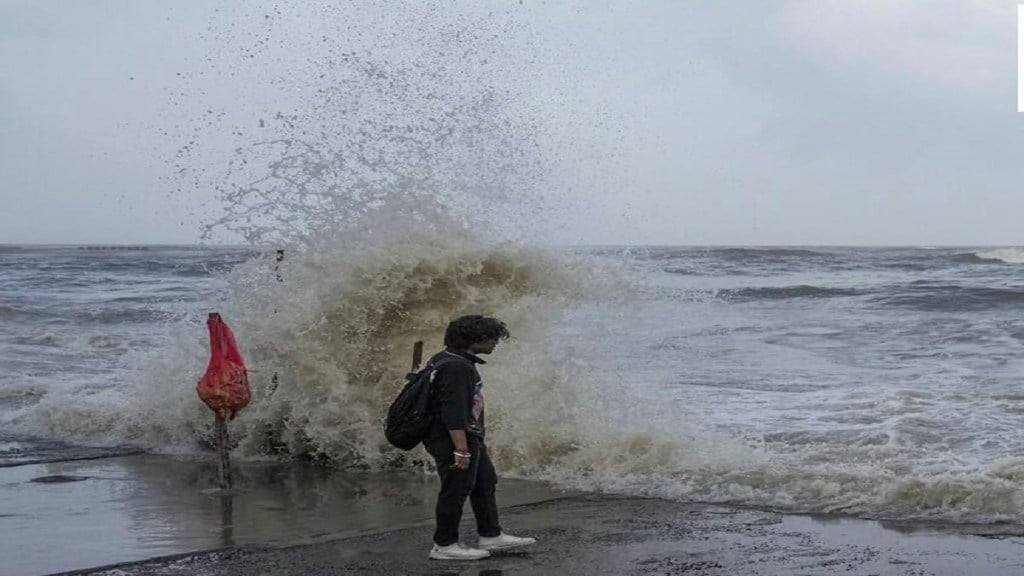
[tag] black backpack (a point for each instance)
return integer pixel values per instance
(410, 415)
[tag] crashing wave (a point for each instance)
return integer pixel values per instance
(1007, 255)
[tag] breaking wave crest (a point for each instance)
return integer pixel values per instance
(1007, 255)
(328, 345)
(400, 189)
(722, 470)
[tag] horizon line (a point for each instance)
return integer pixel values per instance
(101, 245)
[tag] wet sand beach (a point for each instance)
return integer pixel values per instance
(147, 514)
(593, 534)
(64, 507)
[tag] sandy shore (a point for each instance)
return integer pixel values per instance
(592, 534)
(82, 513)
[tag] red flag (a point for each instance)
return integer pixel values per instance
(225, 386)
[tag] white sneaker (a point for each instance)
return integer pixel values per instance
(457, 552)
(504, 542)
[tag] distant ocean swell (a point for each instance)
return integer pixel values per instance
(928, 296)
(11, 312)
(784, 293)
(918, 295)
(747, 261)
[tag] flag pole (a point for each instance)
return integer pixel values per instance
(220, 430)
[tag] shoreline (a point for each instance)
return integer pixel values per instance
(161, 518)
(599, 534)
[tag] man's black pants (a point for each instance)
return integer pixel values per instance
(478, 482)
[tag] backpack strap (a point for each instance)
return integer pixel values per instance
(448, 359)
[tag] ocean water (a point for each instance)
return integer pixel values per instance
(877, 382)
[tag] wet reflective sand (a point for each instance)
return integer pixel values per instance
(79, 510)
(614, 536)
(67, 515)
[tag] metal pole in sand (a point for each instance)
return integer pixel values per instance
(227, 519)
(220, 428)
(226, 496)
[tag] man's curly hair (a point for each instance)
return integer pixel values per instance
(468, 330)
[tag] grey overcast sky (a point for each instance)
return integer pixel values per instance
(799, 122)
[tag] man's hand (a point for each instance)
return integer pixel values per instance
(461, 460)
(462, 455)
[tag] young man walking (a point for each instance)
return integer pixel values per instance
(456, 441)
